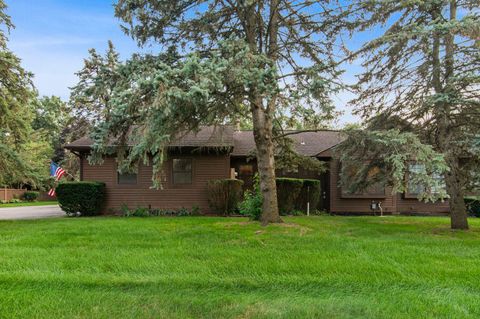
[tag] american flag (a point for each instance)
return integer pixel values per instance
(57, 172)
(51, 192)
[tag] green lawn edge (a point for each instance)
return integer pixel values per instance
(26, 204)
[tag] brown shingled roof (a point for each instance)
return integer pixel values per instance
(305, 143)
(209, 136)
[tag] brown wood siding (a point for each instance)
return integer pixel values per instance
(392, 203)
(411, 205)
(339, 205)
(205, 167)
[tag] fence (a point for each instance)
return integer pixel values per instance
(11, 193)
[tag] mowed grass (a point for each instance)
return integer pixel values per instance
(22, 204)
(197, 267)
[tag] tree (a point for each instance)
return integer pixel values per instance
(16, 93)
(425, 70)
(51, 116)
(221, 58)
(90, 98)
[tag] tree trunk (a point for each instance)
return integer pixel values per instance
(455, 188)
(262, 132)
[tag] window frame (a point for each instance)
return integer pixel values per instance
(407, 194)
(363, 195)
(126, 184)
(192, 172)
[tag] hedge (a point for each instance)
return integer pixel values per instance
(30, 196)
(473, 206)
(310, 192)
(85, 198)
(224, 195)
(288, 190)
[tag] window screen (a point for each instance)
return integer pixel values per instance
(182, 171)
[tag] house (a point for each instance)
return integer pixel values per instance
(223, 152)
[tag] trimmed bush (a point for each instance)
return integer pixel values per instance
(85, 198)
(288, 190)
(224, 195)
(310, 192)
(30, 196)
(473, 206)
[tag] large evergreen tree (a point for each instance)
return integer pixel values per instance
(16, 94)
(423, 73)
(221, 59)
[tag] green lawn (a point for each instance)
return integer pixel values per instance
(43, 203)
(317, 267)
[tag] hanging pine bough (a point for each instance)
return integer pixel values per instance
(155, 102)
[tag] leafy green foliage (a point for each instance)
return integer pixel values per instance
(473, 205)
(251, 205)
(51, 118)
(30, 196)
(157, 212)
(288, 190)
(224, 195)
(85, 198)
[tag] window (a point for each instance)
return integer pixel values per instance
(376, 190)
(127, 178)
(182, 171)
(245, 170)
(414, 189)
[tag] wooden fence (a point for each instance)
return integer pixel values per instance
(11, 193)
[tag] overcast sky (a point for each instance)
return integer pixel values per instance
(52, 38)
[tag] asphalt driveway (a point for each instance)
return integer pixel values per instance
(31, 212)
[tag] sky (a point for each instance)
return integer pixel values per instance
(52, 37)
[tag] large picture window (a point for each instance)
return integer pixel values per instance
(415, 189)
(182, 171)
(376, 190)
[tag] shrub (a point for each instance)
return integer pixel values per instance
(473, 206)
(310, 192)
(224, 195)
(155, 212)
(85, 198)
(288, 190)
(30, 196)
(251, 205)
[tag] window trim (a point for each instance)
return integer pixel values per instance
(126, 184)
(172, 179)
(344, 195)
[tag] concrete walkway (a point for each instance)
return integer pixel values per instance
(31, 212)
